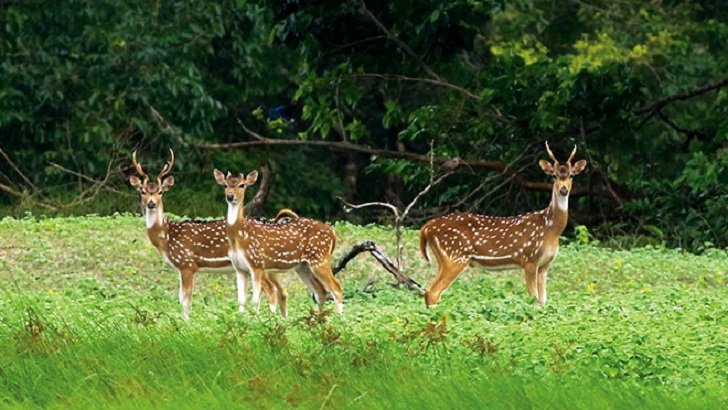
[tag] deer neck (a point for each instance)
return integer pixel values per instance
(157, 228)
(559, 211)
(235, 214)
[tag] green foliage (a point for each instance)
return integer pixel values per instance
(486, 80)
(84, 326)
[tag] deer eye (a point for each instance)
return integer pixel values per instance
(143, 192)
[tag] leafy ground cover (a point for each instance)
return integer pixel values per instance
(89, 318)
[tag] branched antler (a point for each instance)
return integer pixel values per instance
(138, 168)
(551, 154)
(167, 167)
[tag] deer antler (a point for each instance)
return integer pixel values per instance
(138, 167)
(551, 154)
(572, 155)
(167, 167)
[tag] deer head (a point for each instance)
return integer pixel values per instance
(151, 191)
(235, 185)
(235, 192)
(563, 175)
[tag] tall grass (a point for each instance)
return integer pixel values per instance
(89, 318)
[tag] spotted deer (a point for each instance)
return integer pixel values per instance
(529, 241)
(187, 246)
(302, 244)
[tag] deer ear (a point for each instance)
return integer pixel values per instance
(135, 182)
(578, 167)
(546, 167)
(251, 178)
(220, 177)
(167, 183)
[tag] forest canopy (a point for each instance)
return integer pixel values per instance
(640, 87)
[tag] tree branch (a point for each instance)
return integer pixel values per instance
(348, 207)
(684, 95)
(397, 77)
(482, 165)
(689, 132)
(253, 207)
(364, 10)
(86, 177)
(14, 192)
(17, 169)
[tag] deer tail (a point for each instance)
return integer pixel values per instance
(285, 213)
(423, 242)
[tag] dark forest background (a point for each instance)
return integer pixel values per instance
(639, 86)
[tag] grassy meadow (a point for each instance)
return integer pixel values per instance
(89, 318)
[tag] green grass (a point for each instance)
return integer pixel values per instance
(89, 318)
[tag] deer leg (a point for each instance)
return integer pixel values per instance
(281, 293)
(269, 289)
(531, 271)
(542, 274)
(243, 281)
(313, 284)
(446, 275)
(255, 278)
(186, 284)
(324, 274)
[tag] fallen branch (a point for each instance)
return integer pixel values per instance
(381, 256)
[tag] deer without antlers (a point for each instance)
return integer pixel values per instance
(187, 246)
(529, 241)
(302, 244)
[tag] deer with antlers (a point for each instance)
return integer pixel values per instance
(190, 246)
(529, 241)
(302, 244)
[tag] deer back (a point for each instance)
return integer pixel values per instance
(462, 237)
(284, 244)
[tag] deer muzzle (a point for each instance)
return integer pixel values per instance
(563, 191)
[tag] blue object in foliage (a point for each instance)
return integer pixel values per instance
(282, 111)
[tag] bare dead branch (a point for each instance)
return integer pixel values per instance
(480, 200)
(251, 132)
(163, 124)
(348, 207)
(10, 190)
(17, 169)
(84, 177)
(91, 193)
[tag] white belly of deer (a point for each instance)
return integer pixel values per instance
(484, 259)
(224, 269)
